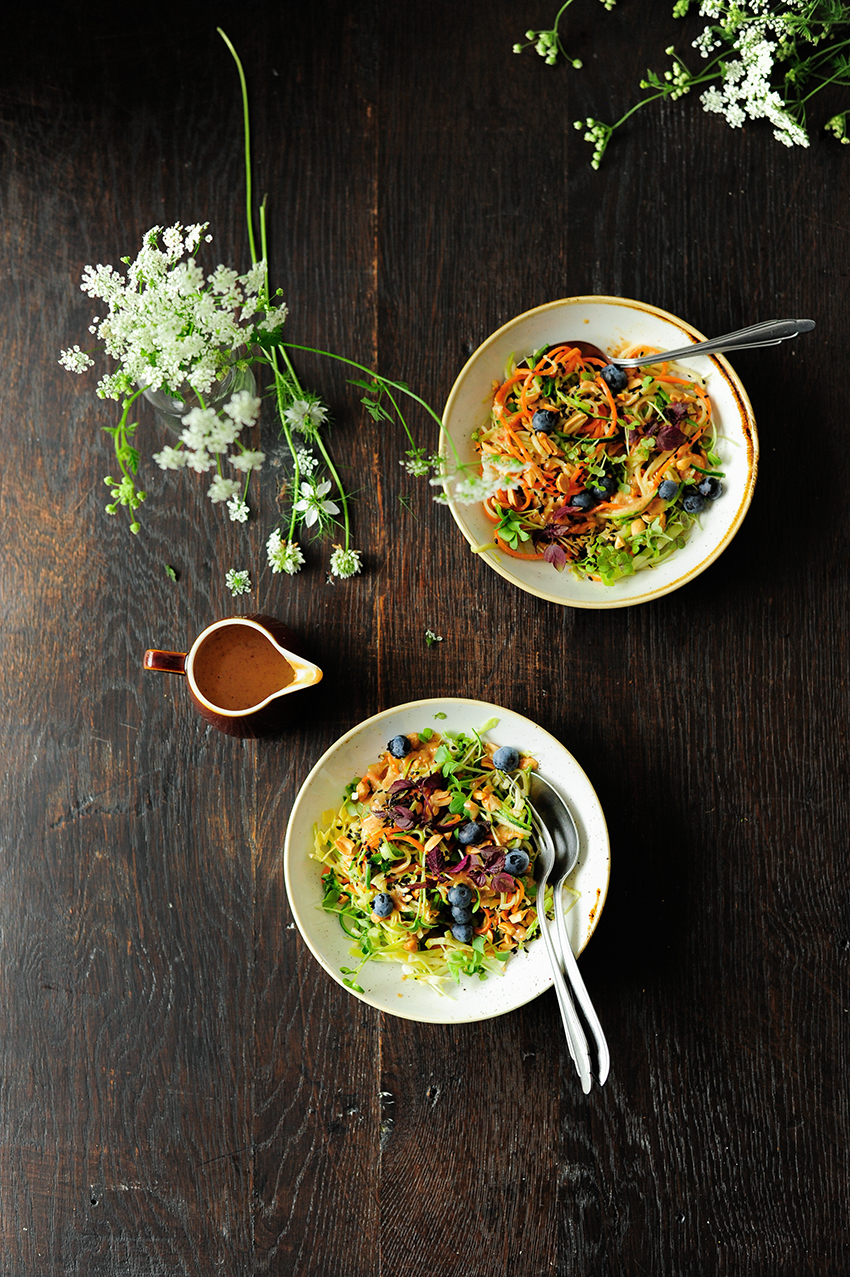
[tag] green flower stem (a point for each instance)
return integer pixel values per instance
(247, 129)
(280, 387)
(319, 442)
(385, 381)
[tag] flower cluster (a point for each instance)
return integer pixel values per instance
(189, 338)
(168, 326)
(171, 329)
(206, 436)
(548, 43)
(764, 61)
(238, 582)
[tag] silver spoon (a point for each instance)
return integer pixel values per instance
(576, 1039)
(769, 333)
(557, 816)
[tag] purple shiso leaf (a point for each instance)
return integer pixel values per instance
(669, 438)
(398, 786)
(403, 817)
(478, 876)
(434, 860)
(674, 412)
(494, 860)
(555, 555)
(505, 883)
(460, 866)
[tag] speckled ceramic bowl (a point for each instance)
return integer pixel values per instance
(527, 974)
(612, 323)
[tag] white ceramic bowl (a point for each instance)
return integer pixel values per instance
(612, 323)
(526, 974)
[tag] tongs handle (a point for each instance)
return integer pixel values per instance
(579, 988)
(576, 1039)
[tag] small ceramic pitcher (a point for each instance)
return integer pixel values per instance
(238, 670)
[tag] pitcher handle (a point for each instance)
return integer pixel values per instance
(165, 662)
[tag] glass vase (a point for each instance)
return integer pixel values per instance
(171, 409)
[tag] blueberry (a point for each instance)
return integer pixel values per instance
(462, 931)
(383, 904)
(472, 831)
(583, 501)
(506, 759)
(710, 488)
(399, 746)
(461, 913)
(544, 421)
(460, 895)
(602, 488)
(693, 503)
(668, 489)
(616, 378)
(516, 862)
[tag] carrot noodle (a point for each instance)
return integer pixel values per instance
(447, 888)
(594, 459)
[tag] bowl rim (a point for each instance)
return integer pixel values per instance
(339, 743)
(729, 375)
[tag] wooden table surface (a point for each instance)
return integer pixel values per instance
(183, 1089)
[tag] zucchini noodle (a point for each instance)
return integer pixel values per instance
(612, 482)
(396, 845)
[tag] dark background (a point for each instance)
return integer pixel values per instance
(182, 1089)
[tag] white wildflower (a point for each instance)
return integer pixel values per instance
(198, 460)
(243, 408)
(283, 556)
(198, 423)
(312, 503)
(237, 582)
(274, 318)
(253, 280)
(75, 360)
(306, 415)
(238, 510)
(222, 489)
(305, 461)
(170, 458)
(246, 460)
(345, 563)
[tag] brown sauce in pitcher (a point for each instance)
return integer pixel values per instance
(237, 667)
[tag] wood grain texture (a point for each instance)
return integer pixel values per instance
(183, 1090)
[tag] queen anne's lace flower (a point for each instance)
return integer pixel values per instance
(238, 510)
(237, 582)
(246, 460)
(222, 489)
(170, 458)
(243, 408)
(75, 360)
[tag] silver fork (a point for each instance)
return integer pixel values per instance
(769, 333)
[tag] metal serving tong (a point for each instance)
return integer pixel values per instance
(558, 850)
(769, 333)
